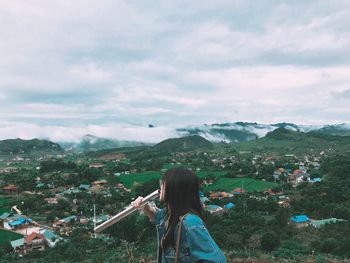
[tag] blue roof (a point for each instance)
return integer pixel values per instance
(315, 180)
(213, 206)
(20, 221)
(229, 205)
(201, 194)
(300, 219)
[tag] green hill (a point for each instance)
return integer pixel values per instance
(184, 144)
(19, 146)
(283, 140)
(340, 129)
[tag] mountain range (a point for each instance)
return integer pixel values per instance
(219, 132)
(247, 131)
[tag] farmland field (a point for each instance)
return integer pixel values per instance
(6, 236)
(129, 179)
(249, 184)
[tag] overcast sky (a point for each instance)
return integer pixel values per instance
(110, 68)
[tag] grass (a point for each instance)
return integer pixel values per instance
(203, 174)
(129, 179)
(6, 236)
(249, 184)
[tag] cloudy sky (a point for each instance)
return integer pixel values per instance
(110, 68)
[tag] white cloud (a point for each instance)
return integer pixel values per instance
(90, 73)
(179, 62)
(55, 133)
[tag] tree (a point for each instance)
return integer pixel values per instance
(269, 241)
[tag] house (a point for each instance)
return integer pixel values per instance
(315, 180)
(99, 182)
(84, 220)
(71, 190)
(204, 199)
(220, 195)
(85, 187)
(64, 222)
(50, 237)
(300, 220)
(8, 170)
(16, 222)
(5, 216)
(18, 245)
(298, 171)
(101, 218)
(96, 165)
(10, 188)
(229, 205)
(320, 223)
(35, 241)
(238, 191)
(214, 209)
(269, 192)
(51, 200)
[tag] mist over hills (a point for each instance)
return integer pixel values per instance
(93, 143)
(236, 132)
(247, 131)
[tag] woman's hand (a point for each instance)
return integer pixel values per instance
(138, 202)
(146, 208)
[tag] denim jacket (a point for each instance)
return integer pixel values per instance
(196, 243)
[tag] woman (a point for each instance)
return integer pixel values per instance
(181, 232)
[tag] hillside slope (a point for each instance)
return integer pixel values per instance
(18, 146)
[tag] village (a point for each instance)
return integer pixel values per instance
(55, 197)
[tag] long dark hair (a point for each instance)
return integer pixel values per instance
(181, 196)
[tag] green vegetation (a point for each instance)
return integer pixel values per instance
(4, 204)
(130, 179)
(285, 141)
(18, 146)
(6, 236)
(249, 184)
(184, 144)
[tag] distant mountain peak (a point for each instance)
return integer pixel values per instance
(186, 143)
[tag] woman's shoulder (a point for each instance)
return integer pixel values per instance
(192, 220)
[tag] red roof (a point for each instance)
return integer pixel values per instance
(33, 236)
(238, 190)
(297, 171)
(10, 187)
